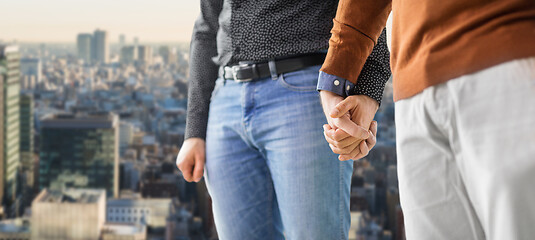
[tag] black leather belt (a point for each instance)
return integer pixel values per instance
(245, 72)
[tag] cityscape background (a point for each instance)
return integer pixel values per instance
(93, 98)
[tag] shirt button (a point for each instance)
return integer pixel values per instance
(336, 82)
(348, 87)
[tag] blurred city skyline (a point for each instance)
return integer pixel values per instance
(59, 21)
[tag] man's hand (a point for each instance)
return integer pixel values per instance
(190, 159)
(346, 147)
(330, 101)
(349, 119)
(360, 108)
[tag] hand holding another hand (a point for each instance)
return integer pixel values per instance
(349, 120)
(347, 147)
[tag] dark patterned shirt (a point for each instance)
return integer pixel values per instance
(229, 31)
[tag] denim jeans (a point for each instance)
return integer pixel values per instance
(269, 170)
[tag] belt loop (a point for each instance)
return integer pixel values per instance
(273, 70)
(222, 71)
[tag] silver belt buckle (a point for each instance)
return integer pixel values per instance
(235, 69)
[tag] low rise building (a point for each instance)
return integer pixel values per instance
(72, 214)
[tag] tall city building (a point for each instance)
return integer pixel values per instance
(30, 69)
(101, 49)
(126, 135)
(129, 54)
(26, 139)
(10, 119)
(145, 54)
(84, 44)
(80, 151)
(168, 54)
(122, 41)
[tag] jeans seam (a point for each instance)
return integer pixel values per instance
(340, 200)
(270, 203)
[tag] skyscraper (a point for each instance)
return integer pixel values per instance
(84, 42)
(10, 118)
(169, 55)
(122, 41)
(100, 47)
(145, 54)
(129, 54)
(80, 151)
(26, 137)
(31, 68)
(26, 150)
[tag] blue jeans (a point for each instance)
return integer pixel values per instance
(269, 170)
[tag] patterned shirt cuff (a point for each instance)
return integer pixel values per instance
(334, 84)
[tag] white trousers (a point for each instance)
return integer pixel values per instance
(466, 156)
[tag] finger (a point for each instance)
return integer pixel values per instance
(346, 157)
(359, 156)
(351, 128)
(364, 150)
(187, 170)
(328, 138)
(340, 144)
(343, 107)
(199, 168)
(346, 150)
(336, 134)
(347, 142)
(368, 146)
(372, 140)
(339, 134)
(328, 133)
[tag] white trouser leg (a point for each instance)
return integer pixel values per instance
(466, 156)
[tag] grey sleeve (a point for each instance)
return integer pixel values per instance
(375, 72)
(202, 70)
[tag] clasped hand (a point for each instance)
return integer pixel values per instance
(351, 131)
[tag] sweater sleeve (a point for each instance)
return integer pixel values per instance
(356, 30)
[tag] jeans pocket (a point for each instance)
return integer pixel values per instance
(299, 81)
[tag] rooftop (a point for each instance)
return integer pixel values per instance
(7, 49)
(139, 202)
(80, 120)
(71, 195)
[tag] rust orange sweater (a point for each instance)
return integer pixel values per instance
(433, 41)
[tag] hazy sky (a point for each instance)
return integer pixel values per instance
(62, 20)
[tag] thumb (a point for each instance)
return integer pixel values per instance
(343, 107)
